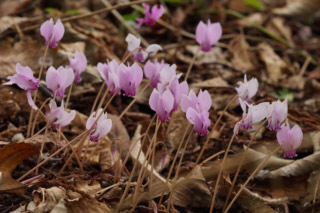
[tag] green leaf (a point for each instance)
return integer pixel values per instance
(255, 4)
(282, 94)
(50, 10)
(173, 1)
(73, 12)
(130, 17)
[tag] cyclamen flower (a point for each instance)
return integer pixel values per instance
(152, 71)
(278, 112)
(255, 114)
(102, 127)
(58, 80)
(170, 80)
(25, 80)
(109, 73)
(52, 32)
(78, 64)
(289, 139)
(150, 19)
(130, 78)
(247, 89)
(162, 104)
(196, 109)
(208, 34)
(138, 53)
(59, 117)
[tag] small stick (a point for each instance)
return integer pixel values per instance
(37, 115)
(97, 97)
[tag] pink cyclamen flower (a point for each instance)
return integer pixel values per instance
(78, 64)
(255, 114)
(58, 80)
(102, 127)
(247, 89)
(25, 80)
(162, 104)
(130, 78)
(196, 109)
(58, 116)
(152, 71)
(289, 139)
(208, 34)
(136, 50)
(52, 32)
(278, 111)
(109, 73)
(150, 19)
(170, 80)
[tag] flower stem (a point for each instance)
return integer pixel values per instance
(174, 161)
(242, 159)
(68, 97)
(37, 115)
(97, 98)
(250, 177)
(191, 64)
(213, 129)
(222, 167)
(36, 92)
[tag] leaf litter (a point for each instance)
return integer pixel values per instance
(279, 186)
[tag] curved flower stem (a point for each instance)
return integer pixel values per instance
(133, 101)
(68, 97)
(145, 164)
(104, 97)
(135, 143)
(250, 177)
(131, 175)
(222, 167)
(37, 115)
(191, 64)
(173, 163)
(213, 129)
(97, 98)
(52, 155)
(104, 109)
(64, 137)
(242, 159)
(46, 131)
(36, 92)
(178, 169)
(211, 157)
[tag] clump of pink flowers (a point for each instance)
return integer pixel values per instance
(99, 128)
(197, 110)
(150, 18)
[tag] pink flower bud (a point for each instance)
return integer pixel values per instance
(150, 19)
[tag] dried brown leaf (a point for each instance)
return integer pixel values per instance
(10, 185)
(274, 64)
(298, 8)
(185, 189)
(252, 160)
(211, 83)
(242, 57)
(278, 26)
(13, 154)
(7, 22)
(296, 168)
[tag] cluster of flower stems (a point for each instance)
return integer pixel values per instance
(168, 95)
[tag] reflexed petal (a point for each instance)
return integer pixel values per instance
(204, 100)
(153, 49)
(157, 12)
(30, 100)
(133, 42)
(200, 32)
(52, 79)
(46, 30)
(154, 100)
